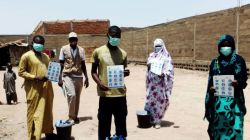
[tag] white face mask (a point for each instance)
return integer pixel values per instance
(157, 49)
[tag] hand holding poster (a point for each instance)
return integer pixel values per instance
(115, 76)
(223, 85)
(54, 70)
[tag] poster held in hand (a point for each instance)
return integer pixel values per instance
(223, 85)
(156, 66)
(115, 75)
(54, 70)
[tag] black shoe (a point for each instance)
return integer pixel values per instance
(51, 136)
(77, 120)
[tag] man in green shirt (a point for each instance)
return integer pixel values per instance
(112, 101)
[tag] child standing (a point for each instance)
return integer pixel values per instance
(9, 84)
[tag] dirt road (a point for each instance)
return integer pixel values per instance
(183, 120)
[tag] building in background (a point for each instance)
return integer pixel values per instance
(91, 34)
(12, 51)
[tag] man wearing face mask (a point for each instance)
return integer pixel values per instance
(39, 92)
(72, 59)
(111, 101)
(226, 113)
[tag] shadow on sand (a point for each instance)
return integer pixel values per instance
(82, 119)
(166, 123)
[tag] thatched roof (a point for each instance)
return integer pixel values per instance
(20, 42)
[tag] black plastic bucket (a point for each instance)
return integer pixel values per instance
(64, 132)
(143, 119)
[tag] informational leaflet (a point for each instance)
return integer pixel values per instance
(223, 85)
(156, 66)
(115, 76)
(54, 70)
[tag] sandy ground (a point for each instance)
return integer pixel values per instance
(183, 120)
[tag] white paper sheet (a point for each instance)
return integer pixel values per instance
(223, 85)
(54, 70)
(156, 66)
(115, 76)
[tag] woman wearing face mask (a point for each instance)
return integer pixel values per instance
(159, 86)
(225, 114)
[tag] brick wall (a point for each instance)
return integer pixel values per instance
(192, 39)
(88, 42)
(9, 38)
(40, 31)
(80, 27)
(91, 27)
(57, 28)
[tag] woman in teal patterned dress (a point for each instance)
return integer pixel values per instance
(226, 114)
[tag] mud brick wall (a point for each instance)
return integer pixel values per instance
(191, 41)
(89, 27)
(57, 28)
(88, 42)
(10, 38)
(80, 27)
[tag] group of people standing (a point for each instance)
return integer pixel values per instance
(39, 92)
(225, 114)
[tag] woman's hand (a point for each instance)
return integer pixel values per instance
(126, 73)
(235, 84)
(162, 76)
(149, 66)
(212, 90)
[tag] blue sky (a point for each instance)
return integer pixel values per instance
(22, 16)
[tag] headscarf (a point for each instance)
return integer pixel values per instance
(162, 55)
(168, 70)
(227, 38)
(227, 60)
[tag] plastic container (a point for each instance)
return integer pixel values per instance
(143, 119)
(63, 129)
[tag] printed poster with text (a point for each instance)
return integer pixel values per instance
(54, 70)
(223, 85)
(115, 76)
(156, 66)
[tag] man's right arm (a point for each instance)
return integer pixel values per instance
(60, 82)
(96, 78)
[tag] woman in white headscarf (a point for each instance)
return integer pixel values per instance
(158, 84)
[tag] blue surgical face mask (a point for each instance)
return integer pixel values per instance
(114, 41)
(38, 47)
(226, 51)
